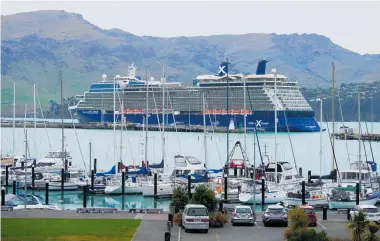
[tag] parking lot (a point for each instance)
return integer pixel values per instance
(334, 227)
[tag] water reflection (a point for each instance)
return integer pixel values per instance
(73, 200)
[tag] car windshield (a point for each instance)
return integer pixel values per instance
(243, 210)
(370, 210)
(308, 210)
(197, 212)
(275, 210)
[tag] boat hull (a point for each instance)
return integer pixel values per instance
(270, 198)
(297, 121)
(350, 204)
(315, 202)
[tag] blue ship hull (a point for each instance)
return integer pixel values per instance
(296, 121)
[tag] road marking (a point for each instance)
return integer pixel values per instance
(179, 233)
(257, 225)
(217, 237)
(321, 225)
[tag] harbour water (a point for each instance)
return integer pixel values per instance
(106, 148)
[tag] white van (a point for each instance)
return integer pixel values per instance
(195, 216)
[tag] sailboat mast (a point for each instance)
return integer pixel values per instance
(275, 123)
(163, 114)
(204, 129)
(333, 111)
(63, 129)
(228, 114)
(245, 115)
(121, 130)
(114, 120)
(146, 116)
(35, 118)
(320, 137)
(14, 120)
(359, 137)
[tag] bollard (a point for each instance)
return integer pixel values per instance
(189, 186)
(167, 236)
(348, 214)
(303, 193)
(33, 176)
(155, 185)
(14, 187)
(6, 175)
(47, 192)
(170, 217)
(85, 196)
(357, 193)
(92, 179)
(225, 188)
(324, 210)
(123, 182)
(95, 165)
(2, 196)
(235, 171)
(262, 193)
(309, 176)
(300, 171)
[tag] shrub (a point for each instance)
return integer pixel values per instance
(177, 218)
(358, 226)
(370, 235)
(308, 234)
(205, 195)
(218, 219)
(299, 219)
(179, 199)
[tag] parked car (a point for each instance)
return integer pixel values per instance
(370, 211)
(309, 210)
(195, 217)
(243, 215)
(275, 214)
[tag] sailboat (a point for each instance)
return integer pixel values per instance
(345, 196)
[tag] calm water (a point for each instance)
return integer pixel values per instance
(106, 148)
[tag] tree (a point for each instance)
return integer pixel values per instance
(357, 226)
(205, 195)
(308, 234)
(179, 199)
(299, 219)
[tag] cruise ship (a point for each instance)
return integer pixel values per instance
(182, 104)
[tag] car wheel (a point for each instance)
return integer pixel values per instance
(286, 224)
(265, 224)
(206, 230)
(186, 230)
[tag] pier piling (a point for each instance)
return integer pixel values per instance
(85, 196)
(123, 182)
(14, 187)
(324, 210)
(189, 186)
(225, 188)
(92, 180)
(47, 192)
(309, 176)
(357, 193)
(262, 193)
(62, 179)
(155, 185)
(6, 175)
(300, 171)
(95, 162)
(33, 177)
(235, 171)
(2, 196)
(303, 193)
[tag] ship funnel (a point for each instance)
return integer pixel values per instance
(261, 67)
(223, 69)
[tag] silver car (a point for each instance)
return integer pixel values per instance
(195, 216)
(275, 214)
(243, 215)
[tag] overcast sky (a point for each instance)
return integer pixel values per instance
(353, 25)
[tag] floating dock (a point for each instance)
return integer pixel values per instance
(364, 137)
(105, 126)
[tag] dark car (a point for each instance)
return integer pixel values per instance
(275, 214)
(309, 210)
